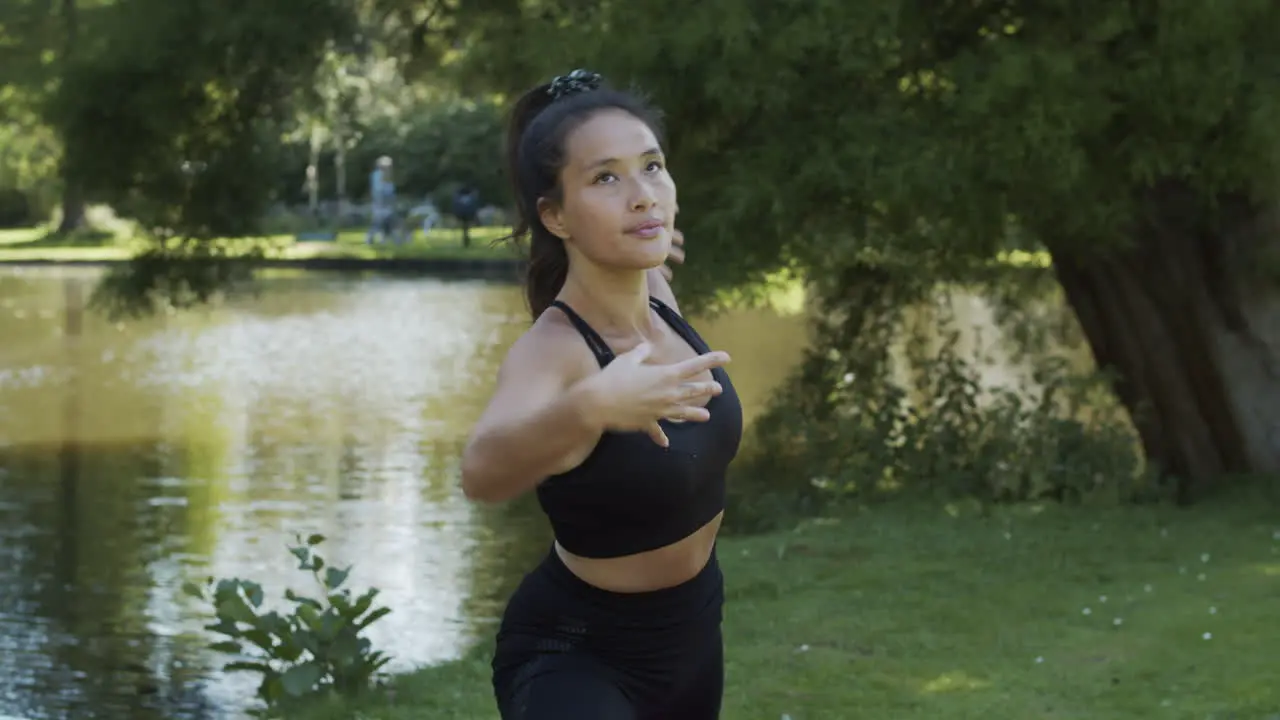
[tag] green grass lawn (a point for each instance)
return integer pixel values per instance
(35, 244)
(907, 612)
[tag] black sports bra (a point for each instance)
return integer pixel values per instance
(630, 494)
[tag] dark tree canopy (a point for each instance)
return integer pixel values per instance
(1138, 142)
(172, 110)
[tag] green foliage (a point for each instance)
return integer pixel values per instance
(315, 649)
(171, 110)
(180, 275)
(926, 130)
(817, 137)
(29, 149)
(877, 410)
(437, 143)
(171, 113)
(28, 162)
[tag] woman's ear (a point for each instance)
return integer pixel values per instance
(552, 218)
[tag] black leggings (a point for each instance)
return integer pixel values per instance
(570, 651)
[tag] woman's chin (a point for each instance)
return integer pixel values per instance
(641, 254)
(651, 262)
(652, 253)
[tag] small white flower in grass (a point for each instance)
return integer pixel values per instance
(1147, 588)
(1204, 557)
(1118, 622)
(1040, 660)
(1102, 598)
(1207, 636)
(1086, 611)
(1213, 611)
(1200, 577)
(1008, 536)
(802, 649)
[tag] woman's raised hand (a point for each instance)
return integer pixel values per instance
(630, 395)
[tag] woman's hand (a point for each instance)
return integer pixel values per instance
(630, 395)
(676, 256)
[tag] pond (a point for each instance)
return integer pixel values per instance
(137, 456)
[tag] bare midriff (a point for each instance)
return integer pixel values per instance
(651, 570)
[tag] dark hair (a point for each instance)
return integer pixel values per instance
(540, 123)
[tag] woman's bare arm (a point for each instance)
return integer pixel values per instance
(659, 278)
(661, 289)
(538, 420)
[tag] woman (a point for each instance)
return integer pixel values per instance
(620, 416)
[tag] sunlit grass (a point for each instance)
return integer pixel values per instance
(36, 244)
(1023, 258)
(783, 291)
(911, 612)
(19, 236)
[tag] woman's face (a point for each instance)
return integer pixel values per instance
(619, 201)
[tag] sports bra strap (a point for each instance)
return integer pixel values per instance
(680, 325)
(600, 348)
(597, 345)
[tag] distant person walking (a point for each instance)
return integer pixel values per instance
(382, 200)
(466, 206)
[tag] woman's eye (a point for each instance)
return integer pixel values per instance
(605, 177)
(655, 165)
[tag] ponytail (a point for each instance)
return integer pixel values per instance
(548, 264)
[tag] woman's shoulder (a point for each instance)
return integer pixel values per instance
(551, 346)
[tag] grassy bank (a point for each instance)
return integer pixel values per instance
(924, 612)
(37, 245)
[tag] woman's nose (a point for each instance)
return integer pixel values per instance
(643, 197)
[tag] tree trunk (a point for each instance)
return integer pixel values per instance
(73, 216)
(340, 178)
(73, 200)
(1190, 324)
(313, 175)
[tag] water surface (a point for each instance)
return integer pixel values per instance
(136, 456)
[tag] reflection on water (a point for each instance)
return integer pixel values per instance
(134, 457)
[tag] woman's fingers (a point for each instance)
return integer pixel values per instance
(697, 390)
(687, 413)
(696, 414)
(660, 437)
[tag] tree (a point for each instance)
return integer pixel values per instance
(438, 139)
(39, 42)
(171, 114)
(1138, 142)
(28, 160)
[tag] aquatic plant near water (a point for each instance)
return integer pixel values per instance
(314, 648)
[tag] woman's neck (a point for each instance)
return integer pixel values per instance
(616, 303)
